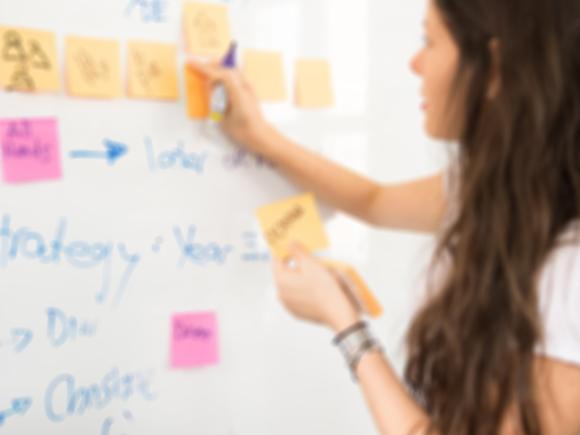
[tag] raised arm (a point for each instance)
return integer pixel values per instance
(416, 206)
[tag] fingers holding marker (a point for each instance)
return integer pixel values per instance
(215, 74)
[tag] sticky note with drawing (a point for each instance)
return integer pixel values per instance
(93, 67)
(152, 70)
(313, 84)
(207, 29)
(28, 60)
(293, 220)
(353, 283)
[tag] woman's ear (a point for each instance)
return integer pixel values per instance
(495, 74)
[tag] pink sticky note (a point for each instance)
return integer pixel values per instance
(194, 340)
(30, 150)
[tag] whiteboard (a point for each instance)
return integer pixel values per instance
(136, 218)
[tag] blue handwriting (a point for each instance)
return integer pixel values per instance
(198, 253)
(152, 11)
(63, 398)
(62, 329)
(28, 244)
(176, 157)
(18, 406)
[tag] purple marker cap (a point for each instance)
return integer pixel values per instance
(229, 61)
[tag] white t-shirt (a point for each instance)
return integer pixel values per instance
(559, 298)
(558, 290)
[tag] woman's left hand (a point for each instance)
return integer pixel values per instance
(310, 291)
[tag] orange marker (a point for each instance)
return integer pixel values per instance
(357, 288)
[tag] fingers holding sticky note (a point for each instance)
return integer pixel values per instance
(293, 220)
(296, 220)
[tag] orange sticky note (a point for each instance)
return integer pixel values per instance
(293, 220)
(313, 84)
(207, 29)
(357, 287)
(93, 68)
(152, 70)
(28, 60)
(265, 72)
(197, 94)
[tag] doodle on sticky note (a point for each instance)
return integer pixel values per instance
(294, 220)
(152, 70)
(30, 150)
(28, 60)
(93, 68)
(207, 28)
(194, 340)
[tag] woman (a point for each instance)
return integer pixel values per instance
(496, 347)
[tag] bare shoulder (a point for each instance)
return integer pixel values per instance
(558, 395)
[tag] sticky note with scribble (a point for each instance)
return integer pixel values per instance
(152, 70)
(28, 60)
(207, 29)
(93, 68)
(293, 220)
(30, 150)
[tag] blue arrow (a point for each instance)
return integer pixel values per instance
(113, 152)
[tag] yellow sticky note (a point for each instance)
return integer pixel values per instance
(207, 29)
(313, 84)
(93, 67)
(197, 94)
(357, 288)
(28, 60)
(293, 220)
(265, 72)
(152, 70)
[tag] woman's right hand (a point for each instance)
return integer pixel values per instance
(243, 120)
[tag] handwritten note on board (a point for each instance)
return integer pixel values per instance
(194, 340)
(207, 29)
(28, 60)
(93, 67)
(30, 150)
(152, 70)
(313, 84)
(265, 72)
(293, 220)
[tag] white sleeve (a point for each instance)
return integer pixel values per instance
(559, 298)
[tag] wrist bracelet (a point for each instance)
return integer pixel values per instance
(368, 346)
(357, 326)
(354, 343)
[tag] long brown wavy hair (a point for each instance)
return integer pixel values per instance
(471, 347)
